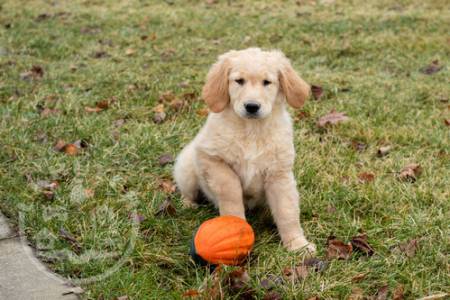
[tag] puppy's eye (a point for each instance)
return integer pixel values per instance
(240, 81)
(266, 82)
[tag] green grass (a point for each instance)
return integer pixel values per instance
(373, 48)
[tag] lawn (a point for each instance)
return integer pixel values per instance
(97, 72)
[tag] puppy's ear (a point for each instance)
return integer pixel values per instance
(215, 90)
(293, 86)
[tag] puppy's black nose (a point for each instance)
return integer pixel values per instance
(252, 107)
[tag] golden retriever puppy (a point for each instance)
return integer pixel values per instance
(244, 154)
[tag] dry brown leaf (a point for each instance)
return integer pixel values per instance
(357, 294)
(35, 73)
(398, 293)
(358, 146)
(49, 195)
(46, 185)
(159, 108)
(338, 249)
(383, 151)
(167, 96)
(176, 104)
(447, 122)
(89, 109)
(130, 51)
(159, 117)
(203, 112)
(191, 293)
(408, 248)
(410, 172)
(359, 277)
(165, 159)
(382, 293)
(189, 96)
(59, 145)
(166, 208)
(317, 91)
(432, 68)
(366, 177)
(315, 263)
(332, 118)
(70, 149)
(296, 273)
(360, 243)
(167, 186)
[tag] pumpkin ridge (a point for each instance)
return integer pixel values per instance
(231, 234)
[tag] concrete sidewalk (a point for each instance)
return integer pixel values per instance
(22, 276)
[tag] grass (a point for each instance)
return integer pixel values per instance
(365, 54)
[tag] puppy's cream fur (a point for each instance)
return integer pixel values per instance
(241, 160)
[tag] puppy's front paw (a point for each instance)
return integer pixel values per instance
(300, 244)
(189, 203)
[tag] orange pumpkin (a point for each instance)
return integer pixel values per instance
(223, 240)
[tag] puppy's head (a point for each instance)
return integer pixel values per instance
(252, 82)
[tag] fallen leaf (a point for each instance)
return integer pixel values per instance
(100, 54)
(301, 115)
(383, 151)
(176, 104)
(360, 243)
(432, 68)
(366, 177)
(189, 96)
(159, 117)
(167, 96)
(191, 293)
(358, 146)
(37, 71)
(357, 294)
(409, 248)
(92, 109)
(166, 208)
(80, 144)
(49, 195)
(99, 106)
(338, 249)
(332, 118)
(410, 172)
(203, 112)
(125, 297)
(317, 264)
(316, 91)
(70, 149)
(382, 293)
(272, 295)
(296, 273)
(46, 185)
(271, 281)
(398, 293)
(359, 277)
(104, 104)
(167, 186)
(59, 145)
(165, 159)
(130, 51)
(447, 122)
